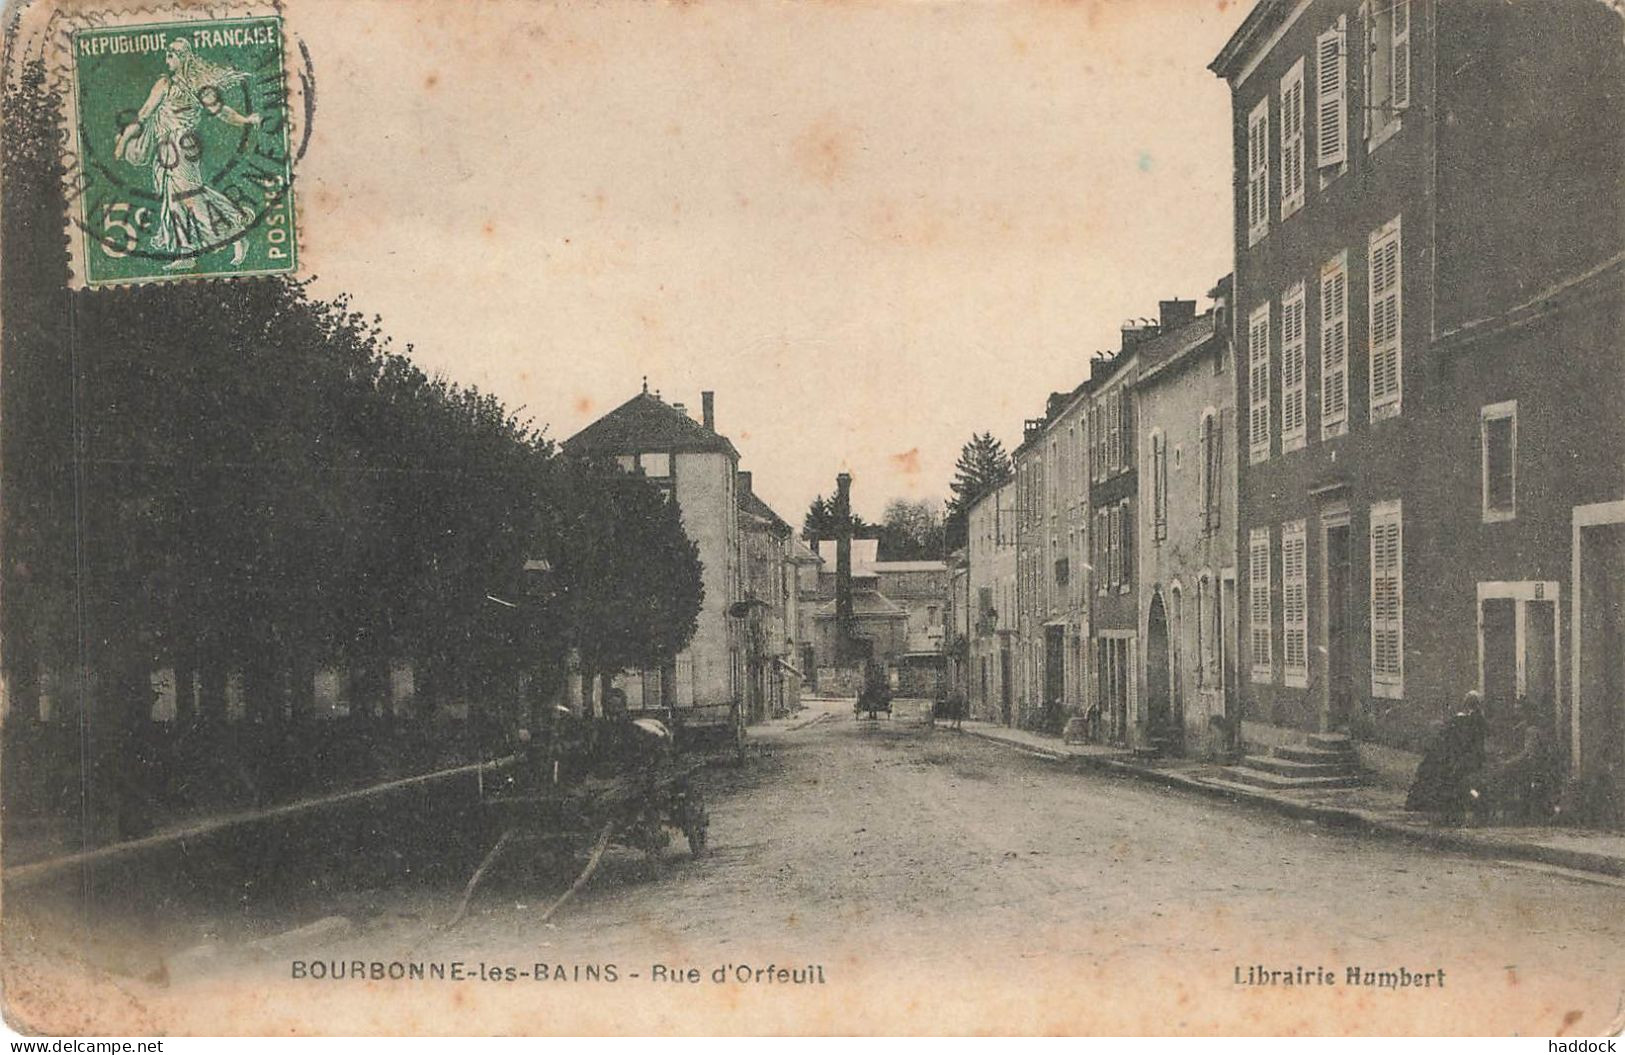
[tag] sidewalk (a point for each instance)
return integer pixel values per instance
(1373, 808)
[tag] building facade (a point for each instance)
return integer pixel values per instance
(698, 468)
(1428, 315)
(1113, 507)
(1184, 413)
(994, 650)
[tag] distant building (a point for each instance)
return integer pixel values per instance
(1185, 418)
(898, 612)
(698, 467)
(772, 680)
(990, 527)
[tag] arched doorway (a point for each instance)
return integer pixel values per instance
(1159, 719)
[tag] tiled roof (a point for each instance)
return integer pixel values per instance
(750, 503)
(647, 423)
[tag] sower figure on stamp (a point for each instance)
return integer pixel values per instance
(192, 216)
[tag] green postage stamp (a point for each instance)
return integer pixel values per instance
(184, 167)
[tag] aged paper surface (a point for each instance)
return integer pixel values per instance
(317, 713)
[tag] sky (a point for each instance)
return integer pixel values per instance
(872, 228)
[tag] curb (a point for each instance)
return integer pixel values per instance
(1334, 816)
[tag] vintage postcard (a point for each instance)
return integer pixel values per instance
(750, 517)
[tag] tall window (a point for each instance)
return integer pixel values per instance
(1292, 166)
(1258, 600)
(1125, 412)
(1331, 110)
(1258, 172)
(1258, 384)
(1386, 356)
(1294, 370)
(1387, 601)
(1387, 67)
(1334, 346)
(1212, 470)
(1114, 431)
(1294, 605)
(1498, 440)
(1159, 487)
(1125, 540)
(1202, 631)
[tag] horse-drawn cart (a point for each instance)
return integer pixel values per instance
(590, 784)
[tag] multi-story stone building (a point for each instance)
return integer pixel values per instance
(991, 554)
(1428, 302)
(1184, 414)
(698, 467)
(1113, 504)
(769, 613)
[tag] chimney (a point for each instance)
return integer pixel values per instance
(680, 408)
(843, 569)
(743, 483)
(1176, 313)
(1137, 330)
(708, 410)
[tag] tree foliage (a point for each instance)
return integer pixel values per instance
(912, 530)
(237, 479)
(823, 521)
(983, 466)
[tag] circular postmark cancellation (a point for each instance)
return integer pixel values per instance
(181, 145)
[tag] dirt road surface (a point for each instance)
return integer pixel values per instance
(918, 880)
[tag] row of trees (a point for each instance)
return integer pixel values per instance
(236, 478)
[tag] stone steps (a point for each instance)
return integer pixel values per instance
(1327, 760)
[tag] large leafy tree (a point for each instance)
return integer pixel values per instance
(629, 576)
(239, 481)
(982, 466)
(912, 531)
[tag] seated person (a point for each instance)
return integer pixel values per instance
(1522, 783)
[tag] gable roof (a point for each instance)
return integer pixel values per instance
(752, 506)
(647, 423)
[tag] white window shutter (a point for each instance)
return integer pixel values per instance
(1400, 76)
(1292, 145)
(1258, 180)
(1385, 323)
(1258, 383)
(1334, 346)
(1367, 68)
(1387, 601)
(1331, 73)
(1258, 601)
(1293, 368)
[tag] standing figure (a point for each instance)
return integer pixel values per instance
(192, 216)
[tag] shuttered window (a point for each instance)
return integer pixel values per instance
(1387, 601)
(1387, 67)
(1125, 540)
(1212, 471)
(1294, 369)
(1399, 51)
(1258, 172)
(1258, 600)
(1331, 110)
(1384, 323)
(1292, 145)
(1159, 487)
(1258, 384)
(1334, 346)
(1294, 604)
